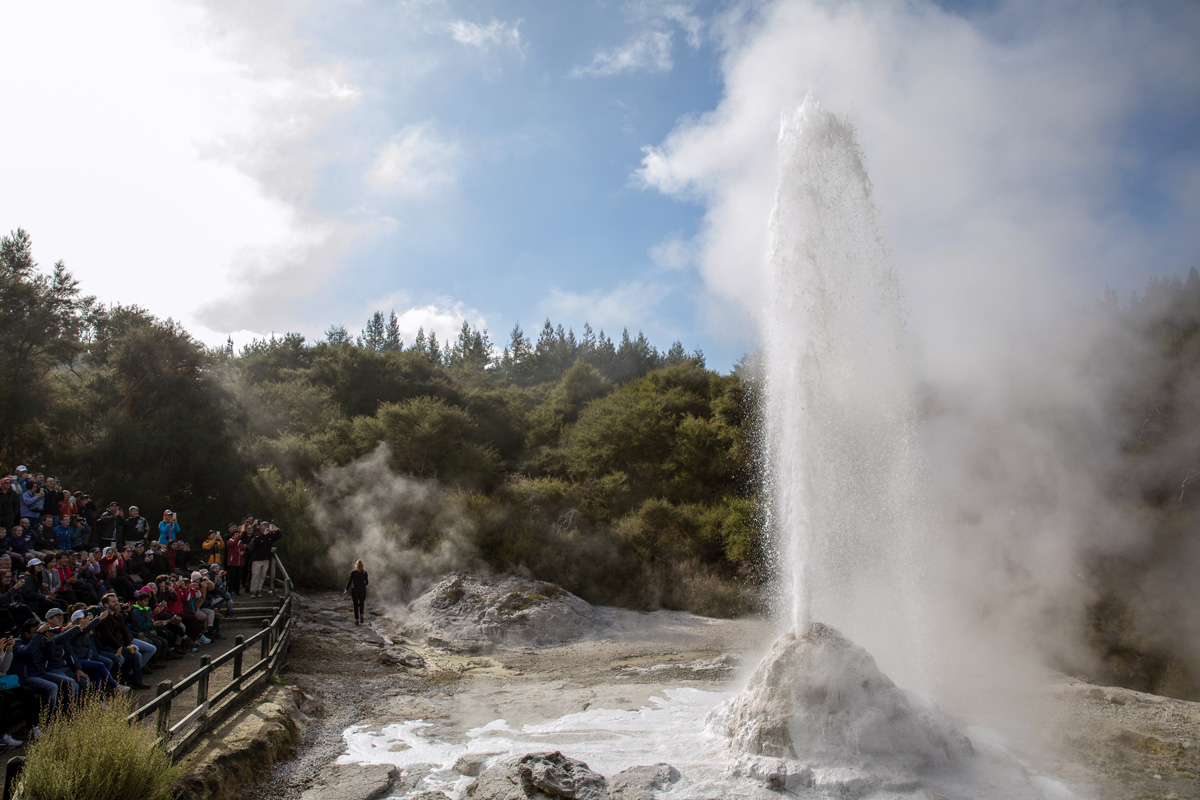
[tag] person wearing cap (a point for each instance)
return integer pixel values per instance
(60, 657)
(141, 620)
(109, 526)
(168, 529)
(83, 649)
(29, 665)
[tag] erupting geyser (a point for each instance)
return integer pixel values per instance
(841, 465)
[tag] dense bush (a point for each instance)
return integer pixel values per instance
(94, 752)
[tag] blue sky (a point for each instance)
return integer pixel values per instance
(269, 168)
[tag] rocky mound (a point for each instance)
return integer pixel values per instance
(470, 614)
(821, 700)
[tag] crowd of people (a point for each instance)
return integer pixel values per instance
(95, 600)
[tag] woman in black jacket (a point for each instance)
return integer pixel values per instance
(357, 587)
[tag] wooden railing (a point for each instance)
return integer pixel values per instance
(268, 648)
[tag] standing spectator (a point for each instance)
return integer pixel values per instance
(261, 544)
(87, 507)
(235, 558)
(51, 498)
(168, 529)
(137, 527)
(32, 500)
(66, 506)
(109, 526)
(10, 503)
(214, 548)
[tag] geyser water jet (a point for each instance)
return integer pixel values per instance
(838, 411)
(840, 454)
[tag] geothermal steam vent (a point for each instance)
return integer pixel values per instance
(820, 699)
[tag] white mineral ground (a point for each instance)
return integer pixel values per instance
(649, 688)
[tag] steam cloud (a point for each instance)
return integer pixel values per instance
(407, 531)
(995, 146)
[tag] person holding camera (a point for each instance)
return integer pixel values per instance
(114, 639)
(29, 665)
(168, 529)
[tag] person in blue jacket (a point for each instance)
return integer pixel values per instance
(168, 529)
(29, 664)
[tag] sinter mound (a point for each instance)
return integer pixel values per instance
(471, 614)
(821, 699)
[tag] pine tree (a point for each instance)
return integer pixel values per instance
(374, 336)
(392, 342)
(337, 335)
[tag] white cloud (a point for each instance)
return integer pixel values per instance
(673, 253)
(444, 318)
(414, 162)
(158, 149)
(647, 50)
(655, 11)
(628, 305)
(495, 34)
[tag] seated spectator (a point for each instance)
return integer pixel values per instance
(82, 649)
(13, 610)
(45, 538)
(15, 547)
(145, 627)
(183, 557)
(29, 664)
(220, 595)
(112, 567)
(11, 700)
(115, 640)
(80, 532)
(63, 532)
(34, 592)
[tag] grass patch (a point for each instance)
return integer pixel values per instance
(94, 752)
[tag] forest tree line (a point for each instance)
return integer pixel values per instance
(621, 472)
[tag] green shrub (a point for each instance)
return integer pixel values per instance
(94, 752)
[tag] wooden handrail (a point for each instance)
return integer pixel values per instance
(272, 640)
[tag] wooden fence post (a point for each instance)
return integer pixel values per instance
(202, 684)
(11, 772)
(163, 723)
(239, 645)
(266, 640)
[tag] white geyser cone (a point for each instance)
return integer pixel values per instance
(820, 700)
